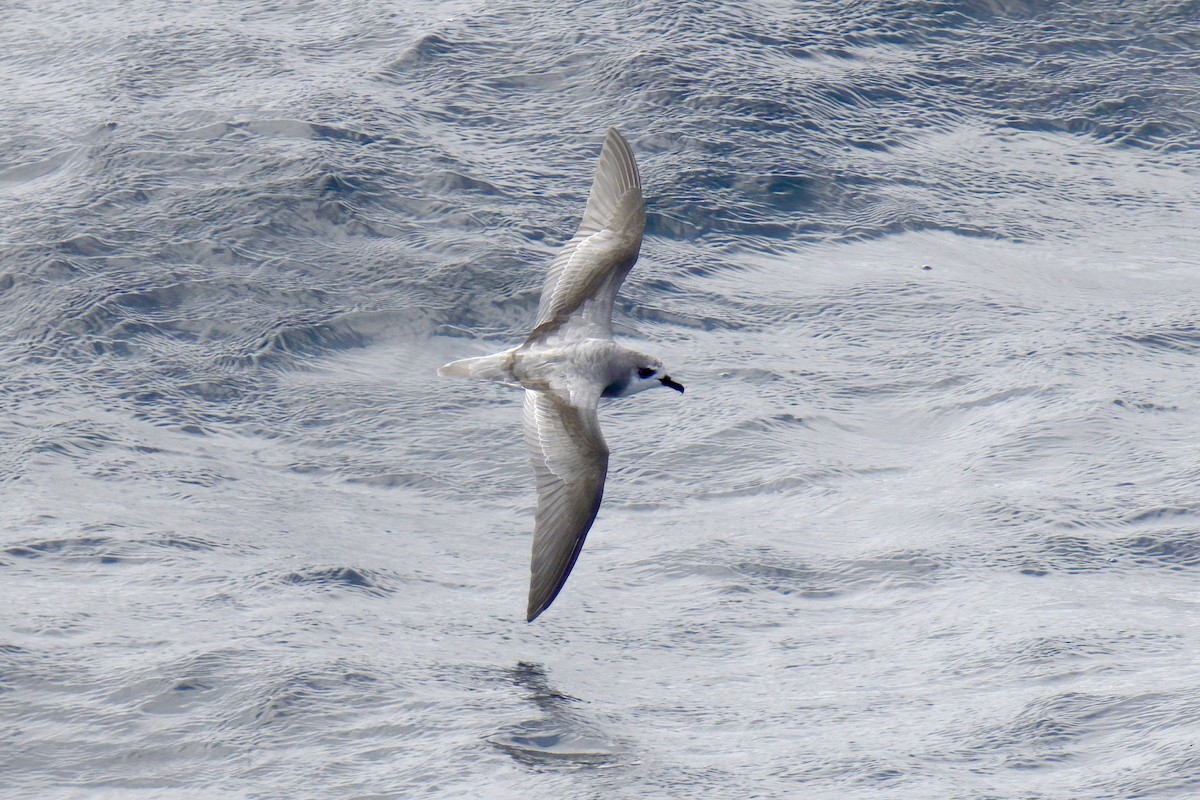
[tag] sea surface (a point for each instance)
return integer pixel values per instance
(926, 523)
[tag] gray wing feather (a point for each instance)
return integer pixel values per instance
(584, 278)
(570, 461)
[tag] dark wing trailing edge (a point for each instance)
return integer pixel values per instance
(584, 277)
(570, 461)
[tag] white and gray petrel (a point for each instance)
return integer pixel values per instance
(569, 362)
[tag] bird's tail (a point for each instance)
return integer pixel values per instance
(496, 367)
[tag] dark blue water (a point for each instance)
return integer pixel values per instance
(924, 525)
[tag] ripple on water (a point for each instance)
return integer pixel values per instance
(322, 579)
(1061, 729)
(560, 736)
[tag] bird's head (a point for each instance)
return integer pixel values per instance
(649, 375)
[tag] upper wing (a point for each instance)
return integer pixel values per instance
(570, 461)
(578, 295)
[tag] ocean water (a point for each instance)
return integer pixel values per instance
(925, 524)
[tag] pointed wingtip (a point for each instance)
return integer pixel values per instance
(615, 200)
(535, 609)
(620, 151)
(538, 603)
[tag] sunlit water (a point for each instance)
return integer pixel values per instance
(925, 524)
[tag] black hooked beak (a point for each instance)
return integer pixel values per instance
(665, 380)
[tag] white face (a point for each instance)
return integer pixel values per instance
(651, 376)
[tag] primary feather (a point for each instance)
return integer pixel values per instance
(583, 280)
(570, 461)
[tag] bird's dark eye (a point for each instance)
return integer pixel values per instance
(645, 372)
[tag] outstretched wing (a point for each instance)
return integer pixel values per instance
(570, 461)
(577, 298)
